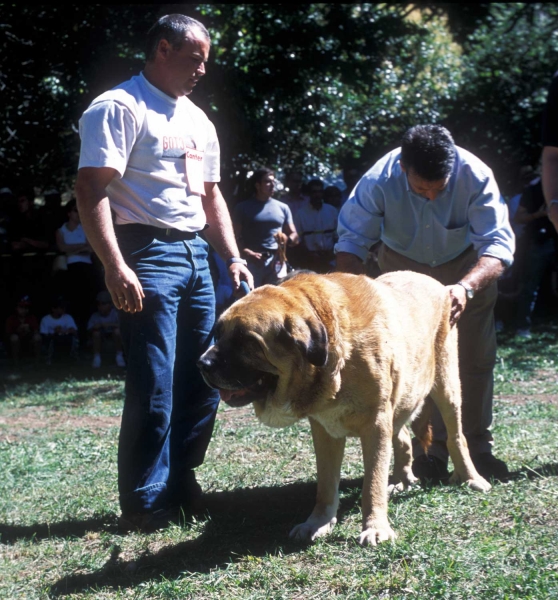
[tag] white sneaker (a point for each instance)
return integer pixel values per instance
(524, 333)
(96, 361)
(120, 362)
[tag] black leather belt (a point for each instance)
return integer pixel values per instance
(160, 233)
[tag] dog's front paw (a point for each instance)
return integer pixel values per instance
(311, 530)
(375, 535)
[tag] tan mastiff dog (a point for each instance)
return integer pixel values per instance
(358, 357)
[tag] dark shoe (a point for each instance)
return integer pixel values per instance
(430, 469)
(146, 522)
(189, 496)
(490, 467)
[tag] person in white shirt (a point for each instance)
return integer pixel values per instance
(151, 156)
(104, 325)
(59, 331)
(316, 224)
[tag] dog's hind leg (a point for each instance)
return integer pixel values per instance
(329, 456)
(403, 477)
(447, 397)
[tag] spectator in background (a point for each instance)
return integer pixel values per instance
(256, 221)
(79, 279)
(333, 196)
(22, 331)
(538, 252)
(351, 176)
(316, 225)
(293, 196)
(59, 331)
(550, 152)
(52, 215)
(26, 232)
(104, 326)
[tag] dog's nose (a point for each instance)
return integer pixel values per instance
(206, 361)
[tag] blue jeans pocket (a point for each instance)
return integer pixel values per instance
(135, 243)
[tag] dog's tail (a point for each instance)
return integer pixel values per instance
(422, 425)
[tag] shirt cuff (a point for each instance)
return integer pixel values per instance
(345, 246)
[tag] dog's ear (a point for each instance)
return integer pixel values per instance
(309, 336)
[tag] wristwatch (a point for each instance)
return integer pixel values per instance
(469, 291)
(236, 259)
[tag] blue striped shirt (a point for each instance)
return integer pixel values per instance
(469, 210)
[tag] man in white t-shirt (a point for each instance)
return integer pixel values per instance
(149, 154)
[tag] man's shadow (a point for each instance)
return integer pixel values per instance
(239, 523)
(242, 522)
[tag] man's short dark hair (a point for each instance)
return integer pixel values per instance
(314, 183)
(260, 174)
(173, 28)
(429, 150)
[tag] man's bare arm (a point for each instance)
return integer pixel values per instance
(485, 271)
(550, 181)
(96, 219)
(220, 233)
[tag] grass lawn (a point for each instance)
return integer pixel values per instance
(58, 504)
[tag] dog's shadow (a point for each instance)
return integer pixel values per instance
(242, 522)
(239, 523)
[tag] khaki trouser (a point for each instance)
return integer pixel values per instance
(477, 351)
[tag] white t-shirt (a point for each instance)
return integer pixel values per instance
(49, 324)
(77, 236)
(109, 321)
(317, 229)
(143, 134)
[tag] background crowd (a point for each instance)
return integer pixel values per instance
(54, 300)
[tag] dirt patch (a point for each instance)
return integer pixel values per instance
(21, 423)
(24, 422)
(522, 399)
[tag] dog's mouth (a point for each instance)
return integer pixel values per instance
(253, 393)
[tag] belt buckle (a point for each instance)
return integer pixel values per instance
(168, 231)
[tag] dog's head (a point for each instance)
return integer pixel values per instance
(268, 348)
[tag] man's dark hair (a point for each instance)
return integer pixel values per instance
(315, 182)
(429, 150)
(259, 174)
(173, 28)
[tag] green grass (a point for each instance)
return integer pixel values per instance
(58, 506)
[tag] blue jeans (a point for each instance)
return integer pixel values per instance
(169, 411)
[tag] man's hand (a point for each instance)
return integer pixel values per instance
(458, 302)
(125, 289)
(238, 272)
(349, 263)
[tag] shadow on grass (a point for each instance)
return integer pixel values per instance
(32, 373)
(239, 523)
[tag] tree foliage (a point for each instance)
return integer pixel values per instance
(307, 85)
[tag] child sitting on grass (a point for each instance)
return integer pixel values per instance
(59, 331)
(103, 325)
